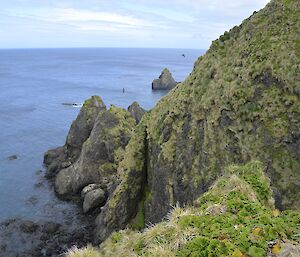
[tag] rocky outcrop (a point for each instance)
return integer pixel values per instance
(136, 111)
(100, 153)
(95, 145)
(164, 82)
(63, 157)
(241, 102)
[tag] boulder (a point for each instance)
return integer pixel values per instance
(89, 188)
(50, 227)
(136, 111)
(164, 82)
(93, 199)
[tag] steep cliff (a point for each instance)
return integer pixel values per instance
(240, 103)
(236, 217)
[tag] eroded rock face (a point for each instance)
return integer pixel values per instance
(237, 105)
(100, 153)
(63, 157)
(164, 82)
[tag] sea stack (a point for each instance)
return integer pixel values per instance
(165, 81)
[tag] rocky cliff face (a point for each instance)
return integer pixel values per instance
(100, 153)
(94, 147)
(62, 157)
(236, 217)
(241, 102)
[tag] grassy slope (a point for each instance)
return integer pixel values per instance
(244, 95)
(236, 217)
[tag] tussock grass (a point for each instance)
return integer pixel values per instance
(234, 218)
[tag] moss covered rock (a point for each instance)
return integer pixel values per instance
(100, 153)
(241, 102)
(62, 157)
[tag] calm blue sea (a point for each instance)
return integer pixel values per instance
(34, 84)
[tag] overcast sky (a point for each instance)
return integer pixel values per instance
(122, 23)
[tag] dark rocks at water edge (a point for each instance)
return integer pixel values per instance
(164, 82)
(25, 238)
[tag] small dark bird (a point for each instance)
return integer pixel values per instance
(123, 90)
(183, 55)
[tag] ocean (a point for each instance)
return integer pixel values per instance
(33, 85)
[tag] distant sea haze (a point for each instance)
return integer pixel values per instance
(34, 84)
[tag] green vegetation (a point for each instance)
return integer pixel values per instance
(240, 103)
(231, 220)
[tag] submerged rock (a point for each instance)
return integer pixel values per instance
(28, 226)
(164, 82)
(41, 239)
(13, 157)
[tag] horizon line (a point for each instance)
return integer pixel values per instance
(96, 47)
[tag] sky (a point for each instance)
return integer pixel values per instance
(124, 23)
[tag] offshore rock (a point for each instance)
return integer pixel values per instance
(164, 82)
